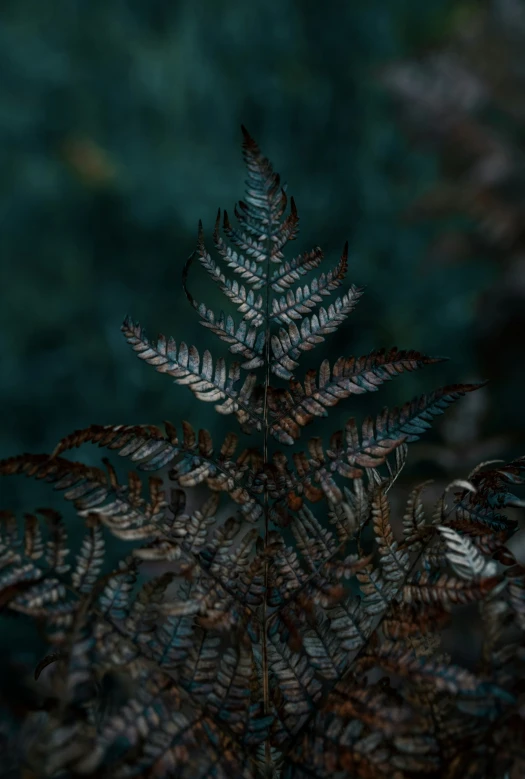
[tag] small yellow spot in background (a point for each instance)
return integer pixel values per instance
(90, 163)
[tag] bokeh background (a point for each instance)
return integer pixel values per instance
(398, 125)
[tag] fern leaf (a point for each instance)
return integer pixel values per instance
(78, 659)
(237, 560)
(466, 560)
(147, 446)
(247, 268)
(246, 658)
(8, 523)
(265, 204)
(289, 343)
(250, 586)
(221, 542)
(250, 306)
(288, 272)
(144, 609)
(399, 425)
(297, 303)
(114, 599)
(394, 563)
(351, 622)
(414, 517)
(244, 340)
(490, 495)
(294, 684)
(286, 573)
(89, 561)
(314, 541)
(172, 642)
(127, 515)
(185, 366)
(15, 571)
(33, 542)
(192, 530)
(445, 677)
(350, 376)
(323, 647)
(229, 698)
(351, 513)
(249, 242)
(392, 429)
(372, 706)
(56, 550)
(377, 590)
(405, 620)
(444, 589)
(201, 671)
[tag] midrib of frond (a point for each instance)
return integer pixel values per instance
(266, 507)
(261, 213)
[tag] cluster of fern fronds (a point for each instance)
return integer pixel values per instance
(299, 638)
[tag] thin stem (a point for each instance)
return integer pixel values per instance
(266, 428)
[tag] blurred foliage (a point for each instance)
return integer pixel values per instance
(464, 101)
(120, 128)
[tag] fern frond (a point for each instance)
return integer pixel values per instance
(152, 450)
(295, 304)
(142, 615)
(237, 560)
(377, 590)
(323, 647)
(483, 506)
(265, 204)
(295, 687)
(286, 572)
(447, 677)
(351, 622)
(192, 530)
(56, 550)
(414, 517)
(288, 272)
(391, 429)
(171, 642)
(114, 600)
(250, 586)
(289, 343)
(250, 306)
(348, 376)
(33, 541)
(404, 424)
(244, 340)
(248, 269)
(444, 589)
(314, 541)
(90, 559)
(394, 562)
(229, 698)
(466, 560)
(405, 620)
(185, 366)
(372, 706)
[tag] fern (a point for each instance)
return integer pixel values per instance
(249, 657)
